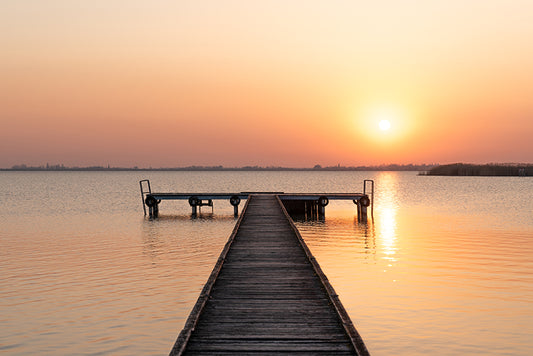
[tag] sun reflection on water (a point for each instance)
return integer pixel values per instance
(418, 264)
(387, 208)
(387, 232)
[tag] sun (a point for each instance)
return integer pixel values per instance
(384, 125)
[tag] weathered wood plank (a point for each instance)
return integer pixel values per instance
(267, 295)
(265, 345)
(263, 353)
(269, 336)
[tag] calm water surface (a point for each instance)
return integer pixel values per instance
(445, 267)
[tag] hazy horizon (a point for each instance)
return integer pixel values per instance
(317, 166)
(236, 83)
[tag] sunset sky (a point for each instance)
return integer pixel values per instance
(283, 83)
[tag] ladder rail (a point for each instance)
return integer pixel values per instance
(371, 192)
(144, 193)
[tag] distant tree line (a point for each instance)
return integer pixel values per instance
(383, 167)
(455, 169)
(61, 167)
(388, 167)
(462, 169)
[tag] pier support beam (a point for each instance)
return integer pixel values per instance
(193, 202)
(308, 209)
(363, 213)
(153, 206)
(362, 208)
(153, 211)
(235, 201)
(311, 209)
(156, 210)
(321, 212)
(321, 208)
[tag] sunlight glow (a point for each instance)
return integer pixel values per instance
(387, 125)
(384, 125)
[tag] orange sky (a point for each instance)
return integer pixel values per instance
(233, 83)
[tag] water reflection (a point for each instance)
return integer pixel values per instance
(366, 230)
(170, 233)
(153, 246)
(202, 217)
(376, 236)
(387, 209)
(387, 228)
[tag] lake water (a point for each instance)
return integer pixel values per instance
(445, 267)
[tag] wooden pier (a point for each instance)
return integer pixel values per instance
(267, 295)
(311, 205)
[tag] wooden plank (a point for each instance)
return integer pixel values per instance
(266, 295)
(264, 353)
(266, 345)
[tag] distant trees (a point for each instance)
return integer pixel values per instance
(431, 169)
(49, 167)
(462, 169)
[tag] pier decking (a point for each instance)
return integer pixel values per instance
(267, 294)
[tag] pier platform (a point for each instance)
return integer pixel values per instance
(267, 295)
(311, 205)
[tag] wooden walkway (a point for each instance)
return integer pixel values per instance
(267, 295)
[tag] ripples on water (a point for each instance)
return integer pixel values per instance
(122, 291)
(435, 277)
(444, 267)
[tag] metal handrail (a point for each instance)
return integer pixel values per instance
(372, 192)
(143, 193)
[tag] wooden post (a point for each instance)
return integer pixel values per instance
(362, 212)
(235, 200)
(310, 209)
(193, 202)
(321, 211)
(321, 207)
(364, 215)
(156, 210)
